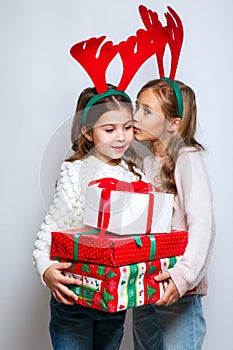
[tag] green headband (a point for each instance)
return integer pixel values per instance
(178, 94)
(96, 98)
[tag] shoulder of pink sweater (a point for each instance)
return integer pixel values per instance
(191, 153)
(191, 173)
(190, 161)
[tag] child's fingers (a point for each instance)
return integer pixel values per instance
(71, 280)
(62, 299)
(65, 295)
(69, 294)
(171, 295)
(167, 300)
(162, 277)
(63, 265)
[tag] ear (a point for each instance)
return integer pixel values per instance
(86, 133)
(173, 124)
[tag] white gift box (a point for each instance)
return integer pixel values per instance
(131, 213)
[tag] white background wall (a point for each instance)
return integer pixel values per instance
(39, 85)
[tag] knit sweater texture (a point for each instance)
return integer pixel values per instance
(67, 208)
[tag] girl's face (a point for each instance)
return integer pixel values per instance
(150, 123)
(112, 135)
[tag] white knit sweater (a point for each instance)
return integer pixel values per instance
(192, 212)
(67, 208)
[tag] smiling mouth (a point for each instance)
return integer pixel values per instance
(119, 148)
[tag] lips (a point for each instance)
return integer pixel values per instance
(119, 148)
(136, 130)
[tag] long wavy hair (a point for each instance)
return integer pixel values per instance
(184, 136)
(81, 146)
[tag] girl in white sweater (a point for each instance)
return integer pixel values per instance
(166, 116)
(101, 134)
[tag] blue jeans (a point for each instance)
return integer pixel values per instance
(180, 326)
(74, 327)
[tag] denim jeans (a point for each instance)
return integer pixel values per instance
(74, 327)
(180, 326)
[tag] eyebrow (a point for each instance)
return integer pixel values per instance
(114, 123)
(143, 104)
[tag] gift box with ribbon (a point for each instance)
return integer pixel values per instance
(127, 208)
(95, 246)
(114, 289)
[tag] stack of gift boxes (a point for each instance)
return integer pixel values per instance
(115, 271)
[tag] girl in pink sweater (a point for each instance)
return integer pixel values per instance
(166, 116)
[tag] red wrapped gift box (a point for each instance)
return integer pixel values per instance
(113, 250)
(114, 289)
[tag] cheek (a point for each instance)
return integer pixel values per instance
(148, 125)
(130, 135)
(156, 126)
(99, 140)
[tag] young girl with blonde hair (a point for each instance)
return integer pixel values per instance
(166, 117)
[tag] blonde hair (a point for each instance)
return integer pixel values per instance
(185, 135)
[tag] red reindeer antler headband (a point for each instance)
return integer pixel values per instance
(95, 56)
(175, 32)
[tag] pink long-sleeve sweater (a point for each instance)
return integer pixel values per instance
(193, 212)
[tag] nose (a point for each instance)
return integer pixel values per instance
(120, 135)
(136, 116)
